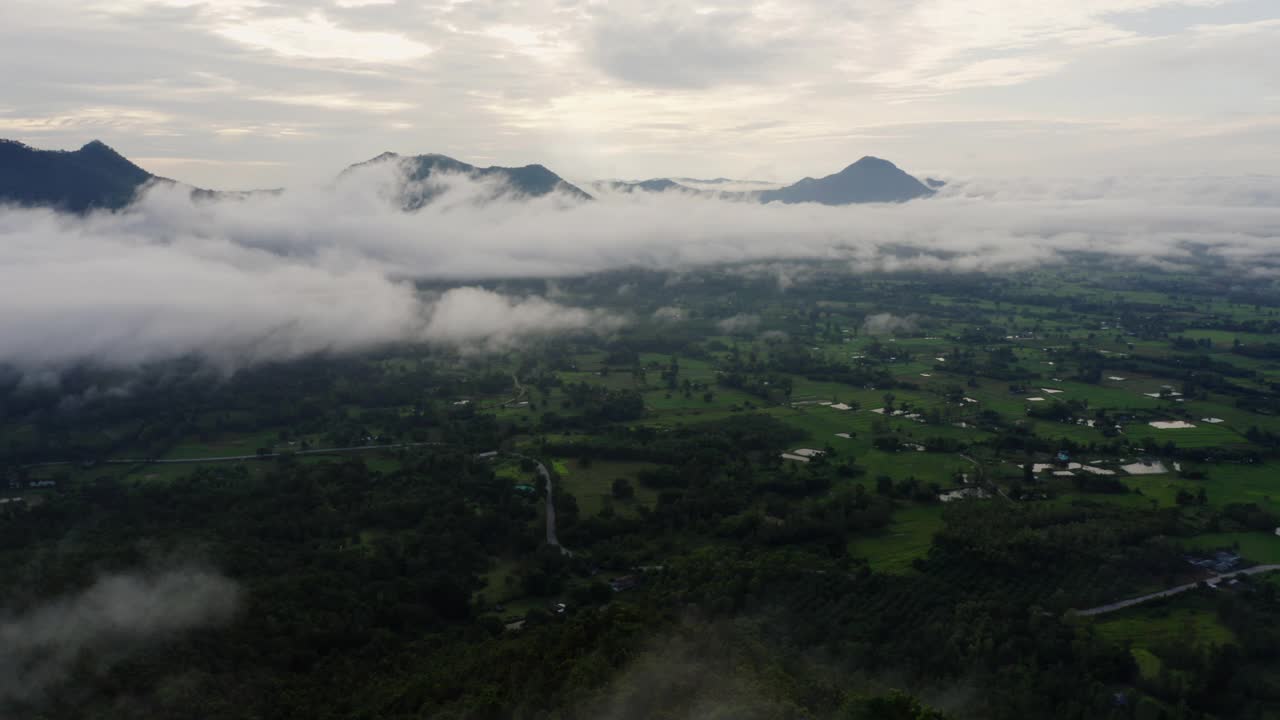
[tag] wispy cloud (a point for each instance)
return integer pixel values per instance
(104, 624)
(316, 36)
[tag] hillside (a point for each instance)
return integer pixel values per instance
(95, 176)
(526, 181)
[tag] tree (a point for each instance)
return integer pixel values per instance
(894, 706)
(622, 489)
(884, 485)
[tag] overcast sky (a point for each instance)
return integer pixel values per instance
(255, 93)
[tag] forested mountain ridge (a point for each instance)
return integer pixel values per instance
(95, 176)
(527, 181)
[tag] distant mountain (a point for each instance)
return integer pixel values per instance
(95, 176)
(717, 188)
(934, 183)
(527, 181)
(654, 185)
(868, 180)
(694, 182)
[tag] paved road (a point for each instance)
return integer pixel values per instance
(519, 389)
(552, 540)
(1103, 609)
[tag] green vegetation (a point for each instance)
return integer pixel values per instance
(908, 537)
(876, 489)
(1185, 623)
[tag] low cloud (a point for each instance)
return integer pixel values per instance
(889, 324)
(275, 276)
(669, 314)
(739, 323)
(471, 315)
(148, 285)
(104, 624)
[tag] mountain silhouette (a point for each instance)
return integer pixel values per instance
(866, 181)
(526, 181)
(95, 176)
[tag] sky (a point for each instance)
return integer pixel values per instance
(237, 94)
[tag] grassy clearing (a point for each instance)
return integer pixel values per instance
(923, 466)
(501, 583)
(1225, 484)
(1182, 621)
(1149, 665)
(592, 484)
(658, 400)
(1202, 435)
(1262, 548)
(1244, 484)
(908, 537)
(221, 447)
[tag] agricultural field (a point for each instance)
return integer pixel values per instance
(1056, 441)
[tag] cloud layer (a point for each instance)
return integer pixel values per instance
(333, 268)
(104, 624)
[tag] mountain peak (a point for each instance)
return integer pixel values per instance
(870, 179)
(871, 161)
(95, 176)
(529, 181)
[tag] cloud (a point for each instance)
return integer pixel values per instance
(339, 102)
(888, 324)
(235, 283)
(316, 36)
(104, 624)
(740, 323)
(471, 315)
(669, 314)
(332, 268)
(679, 47)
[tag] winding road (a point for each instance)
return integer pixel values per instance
(545, 474)
(1112, 607)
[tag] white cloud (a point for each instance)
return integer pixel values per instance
(739, 323)
(338, 102)
(316, 36)
(235, 283)
(470, 315)
(85, 120)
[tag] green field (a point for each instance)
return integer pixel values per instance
(591, 484)
(1187, 621)
(908, 537)
(1261, 548)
